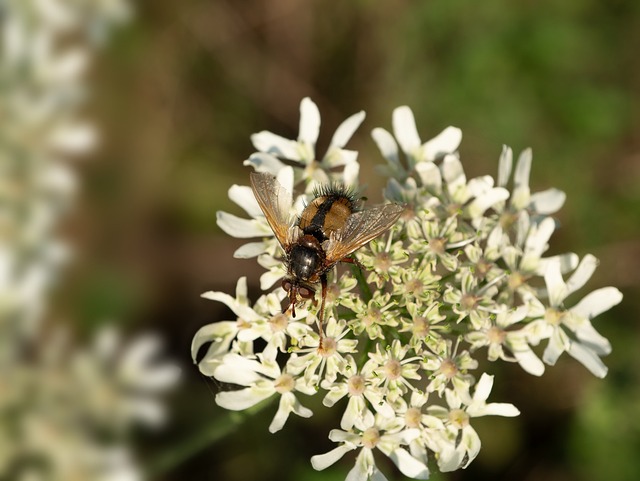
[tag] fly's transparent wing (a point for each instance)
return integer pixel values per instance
(360, 228)
(275, 203)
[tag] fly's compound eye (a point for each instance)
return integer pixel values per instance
(286, 285)
(306, 292)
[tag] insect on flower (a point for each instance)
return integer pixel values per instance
(331, 227)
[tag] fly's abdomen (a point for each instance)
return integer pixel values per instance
(327, 213)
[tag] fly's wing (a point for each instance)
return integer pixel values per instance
(360, 228)
(275, 203)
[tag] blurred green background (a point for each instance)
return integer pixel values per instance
(182, 87)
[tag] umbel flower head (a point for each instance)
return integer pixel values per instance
(461, 276)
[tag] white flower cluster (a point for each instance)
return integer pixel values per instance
(65, 412)
(461, 276)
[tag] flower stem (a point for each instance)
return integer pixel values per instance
(214, 432)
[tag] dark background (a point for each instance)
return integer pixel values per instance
(177, 95)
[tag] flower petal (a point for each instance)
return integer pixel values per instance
(404, 129)
(275, 145)
(309, 122)
(323, 461)
(505, 165)
(243, 398)
(243, 196)
(263, 162)
(588, 359)
(597, 302)
(242, 228)
(387, 146)
(408, 465)
(346, 129)
(446, 142)
(548, 201)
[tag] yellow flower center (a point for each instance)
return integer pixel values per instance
(356, 385)
(284, 383)
(370, 438)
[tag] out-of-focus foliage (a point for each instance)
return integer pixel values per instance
(186, 83)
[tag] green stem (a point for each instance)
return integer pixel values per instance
(214, 432)
(365, 290)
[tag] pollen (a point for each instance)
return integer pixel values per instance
(243, 324)
(370, 438)
(328, 347)
(459, 418)
(392, 369)
(496, 335)
(421, 326)
(437, 245)
(356, 385)
(553, 316)
(382, 262)
(412, 418)
(469, 302)
(284, 383)
(414, 287)
(448, 368)
(278, 322)
(373, 316)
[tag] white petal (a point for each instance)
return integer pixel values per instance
(471, 441)
(548, 201)
(505, 165)
(323, 461)
(288, 404)
(430, 177)
(212, 333)
(568, 262)
(243, 196)
(536, 243)
(242, 228)
(583, 273)
(446, 142)
(593, 340)
(529, 361)
(408, 465)
(275, 145)
(523, 169)
(598, 301)
(365, 468)
(309, 122)
(556, 288)
(240, 310)
(145, 410)
(73, 138)
(480, 205)
(140, 352)
(450, 458)
(158, 378)
(237, 370)
(588, 359)
(242, 399)
(483, 388)
(263, 162)
(404, 129)
(346, 130)
(453, 174)
(525, 355)
(558, 343)
(387, 145)
(252, 249)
